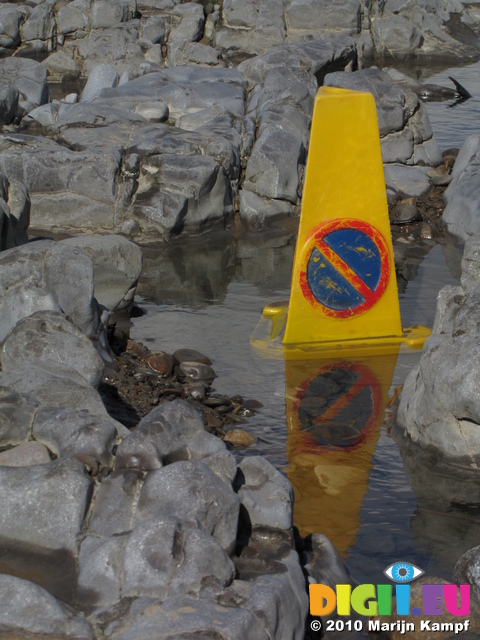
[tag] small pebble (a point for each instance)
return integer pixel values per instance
(197, 370)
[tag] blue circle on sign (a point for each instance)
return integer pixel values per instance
(335, 276)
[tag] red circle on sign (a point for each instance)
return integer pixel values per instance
(368, 296)
(365, 379)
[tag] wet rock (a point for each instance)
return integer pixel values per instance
(266, 495)
(190, 491)
(197, 371)
(48, 335)
(28, 610)
(324, 564)
(281, 589)
(258, 212)
(404, 212)
(25, 455)
(82, 435)
(117, 265)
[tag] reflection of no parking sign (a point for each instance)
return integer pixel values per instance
(339, 406)
(345, 267)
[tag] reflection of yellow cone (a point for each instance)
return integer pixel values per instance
(334, 412)
(344, 291)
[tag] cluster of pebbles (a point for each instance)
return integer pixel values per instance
(143, 379)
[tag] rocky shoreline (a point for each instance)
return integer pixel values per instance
(124, 514)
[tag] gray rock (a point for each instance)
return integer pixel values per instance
(396, 35)
(200, 617)
(197, 193)
(14, 213)
(106, 13)
(11, 17)
(100, 571)
(45, 115)
(39, 28)
(73, 18)
(52, 384)
(78, 434)
(25, 455)
(165, 556)
(60, 66)
(29, 77)
(17, 411)
(395, 104)
(27, 610)
(8, 103)
(314, 15)
(266, 495)
(115, 503)
(172, 432)
(272, 169)
(190, 491)
(462, 214)
(430, 415)
(154, 29)
(117, 265)
(118, 44)
(60, 180)
(258, 212)
(470, 278)
(48, 335)
(406, 181)
(42, 515)
(101, 76)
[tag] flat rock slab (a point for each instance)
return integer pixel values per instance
(48, 335)
(199, 619)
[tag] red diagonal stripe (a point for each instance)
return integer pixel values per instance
(342, 267)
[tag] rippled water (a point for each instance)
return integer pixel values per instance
(209, 296)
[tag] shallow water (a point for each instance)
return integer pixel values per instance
(210, 297)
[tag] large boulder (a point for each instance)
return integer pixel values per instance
(462, 210)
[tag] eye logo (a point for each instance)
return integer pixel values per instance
(403, 572)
